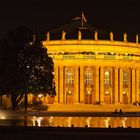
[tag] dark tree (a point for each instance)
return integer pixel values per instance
(26, 67)
(36, 68)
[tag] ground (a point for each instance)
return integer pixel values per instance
(85, 110)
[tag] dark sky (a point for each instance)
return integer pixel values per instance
(112, 15)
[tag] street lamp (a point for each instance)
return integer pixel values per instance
(26, 98)
(39, 103)
(40, 95)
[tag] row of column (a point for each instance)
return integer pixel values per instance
(117, 85)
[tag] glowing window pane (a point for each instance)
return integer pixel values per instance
(107, 77)
(69, 76)
(88, 76)
(125, 78)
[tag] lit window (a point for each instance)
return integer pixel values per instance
(88, 76)
(107, 77)
(69, 76)
(124, 92)
(125, 78)
(69, 92)
(107, 92)
(88, 93)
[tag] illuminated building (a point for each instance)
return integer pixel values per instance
(92, 70)
(95, 71)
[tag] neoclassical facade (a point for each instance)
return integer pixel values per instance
(93, 71)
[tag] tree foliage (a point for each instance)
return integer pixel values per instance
(25, 66)
(11, 46)
(36, 69)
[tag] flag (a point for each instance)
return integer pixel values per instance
(83, 17)
(76, 18)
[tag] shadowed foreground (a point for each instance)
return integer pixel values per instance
(58, 133)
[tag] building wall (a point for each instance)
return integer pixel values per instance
(117, 91)
(102, 72)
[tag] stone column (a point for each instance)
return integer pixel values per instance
(111, 93)
(76, 84)
(137, 83)
(61, 95)
(56, 71)
(129, 95)
(121, 85)
(101, 85)
(82, 84)
(133, 85)
(97, 84)
(116, 85)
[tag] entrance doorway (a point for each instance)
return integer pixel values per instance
(88, 98)
(69, 99)
(107, 99)
(125, 99)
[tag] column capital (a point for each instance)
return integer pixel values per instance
(133, 68)
(116, 67)
(102, 67)
(61, 66)
(77, 66)
(96, 67)
(121, 67)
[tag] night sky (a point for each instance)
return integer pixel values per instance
(112, 15)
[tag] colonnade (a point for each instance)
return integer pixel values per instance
(98, 93)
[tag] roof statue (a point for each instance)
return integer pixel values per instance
(96, 35)
(79, 23)
(63, 35)
(48, 36)
(79, 35)
(111, 36)
(125, 37)
(137, 38)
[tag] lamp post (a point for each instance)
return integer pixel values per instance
(39, 103)
(26, 98)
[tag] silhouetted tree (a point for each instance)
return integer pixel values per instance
(36, 68)
(26, 67)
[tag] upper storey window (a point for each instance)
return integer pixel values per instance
(88, 74)
(69, 76)
(107, 77)
(125, 78)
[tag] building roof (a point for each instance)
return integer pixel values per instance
(74, 26)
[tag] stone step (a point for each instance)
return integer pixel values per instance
(92, 108)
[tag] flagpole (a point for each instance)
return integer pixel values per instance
(82, 19)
